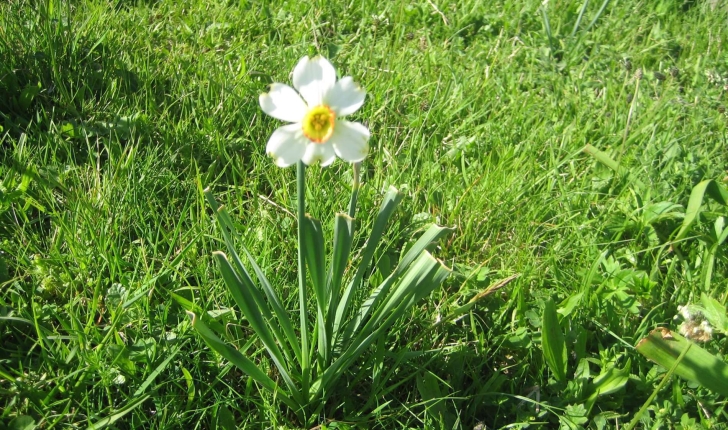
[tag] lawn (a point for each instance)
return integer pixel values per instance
(564, 144)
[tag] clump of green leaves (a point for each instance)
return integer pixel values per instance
(345, 326)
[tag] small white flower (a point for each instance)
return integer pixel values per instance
(317, 135)
(684, 311)
(705, 326)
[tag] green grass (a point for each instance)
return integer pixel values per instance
(118, 114)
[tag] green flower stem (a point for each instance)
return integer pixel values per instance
(302, 297)
(354, 190)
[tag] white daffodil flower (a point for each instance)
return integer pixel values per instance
(315, 107)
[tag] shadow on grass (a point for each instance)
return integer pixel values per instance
(52, 73)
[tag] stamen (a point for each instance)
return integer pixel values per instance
(318, 124)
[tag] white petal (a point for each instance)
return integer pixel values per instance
(350, 141)
(319, 153)
(313, 78)
(287, 145)
(345, 97)
(283, 102)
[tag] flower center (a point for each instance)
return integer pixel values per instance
(318, 124)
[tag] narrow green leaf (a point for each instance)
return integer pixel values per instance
(428, 386)
(695, 203)
(578, 18)
(422, 268)
(598, 14)
(611, 380)
(278, 309)
(315, 253)
(240, 361)
(225, 419)
(605, 159)
(17, 319)
(243, 293)
(247, 298)
(675, 363)
(377, 363)
(371, 303)
(424, 287)
(714, 312)
(343, 238)
(664, 347)
(190, 386)
(159, 369)
(547, 28)
(430, 284)
(356, 173)
(389, 204)
(424, 275)
(303, 311)
(117, 415)
(431, 235)
(229, 231)
(553, 342)
(197, 310)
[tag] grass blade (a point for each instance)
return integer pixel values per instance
(547, 28)
(111, 419)
(159, 369)
(428, 385)
(605, 159)
(596, 17)
(578, 19)
(695, 203)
